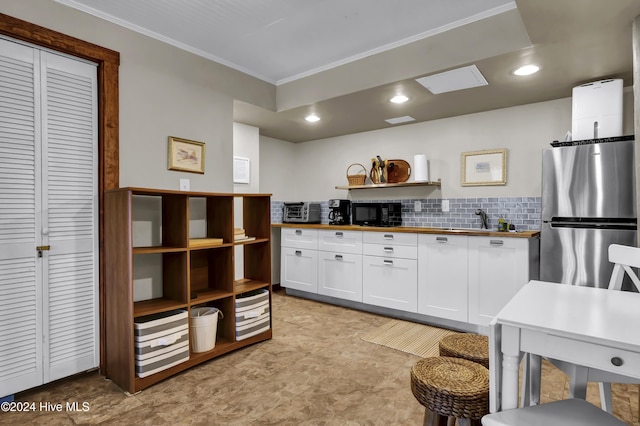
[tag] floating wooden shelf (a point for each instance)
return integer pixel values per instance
(391, 185)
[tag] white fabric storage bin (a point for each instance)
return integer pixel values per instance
(252, 313)
(161, 341)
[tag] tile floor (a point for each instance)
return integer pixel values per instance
(315, 371)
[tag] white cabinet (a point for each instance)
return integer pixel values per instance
(498, 268)
(299, 259)
(442, 276)
(299, 269)
(390, 270)
(340, 264)
(454, 277)
(340, 275)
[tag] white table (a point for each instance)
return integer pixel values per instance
(592, 327)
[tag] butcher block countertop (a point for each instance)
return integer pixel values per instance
(416, 230)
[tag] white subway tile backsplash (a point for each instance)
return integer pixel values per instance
(523, 212)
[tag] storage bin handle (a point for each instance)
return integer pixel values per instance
(166, 340)
(255, 313)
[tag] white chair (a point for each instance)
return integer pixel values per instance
(624, 258)
(568, 412)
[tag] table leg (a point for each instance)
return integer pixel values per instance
(578, 381)
(495, 366)
(605, 397)
(525, 396)
(510, 366)
(535, 377)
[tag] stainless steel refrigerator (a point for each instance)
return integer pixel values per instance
(588, 203)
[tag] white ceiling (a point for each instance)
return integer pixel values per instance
(282, 40)
(344, 59)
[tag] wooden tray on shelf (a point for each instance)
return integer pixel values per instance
(398, 171)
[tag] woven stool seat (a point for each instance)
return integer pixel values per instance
(473, 347)
(451, 387)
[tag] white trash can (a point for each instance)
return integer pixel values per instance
(203, 328)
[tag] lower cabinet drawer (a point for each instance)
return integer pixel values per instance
(390, 282)
(391, 250)
(303, 238)
(340, 241)
(340, 275)
(617, 361)
(400, 238)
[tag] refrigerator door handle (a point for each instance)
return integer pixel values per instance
(592, 225)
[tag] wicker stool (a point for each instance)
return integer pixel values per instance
(473, 347)
(451, 387)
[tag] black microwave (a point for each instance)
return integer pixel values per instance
(376, 214)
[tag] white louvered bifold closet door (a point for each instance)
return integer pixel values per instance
(20, 272)
(48, 197)
(69, 215)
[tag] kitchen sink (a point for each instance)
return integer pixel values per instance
(475, 230)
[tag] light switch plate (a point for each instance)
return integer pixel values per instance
(445, 206)
(185, 184)
(417, 206)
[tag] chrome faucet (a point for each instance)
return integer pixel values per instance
(483, 217)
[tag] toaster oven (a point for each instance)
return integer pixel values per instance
(301, 212)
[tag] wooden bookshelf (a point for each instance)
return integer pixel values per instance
(147, 231)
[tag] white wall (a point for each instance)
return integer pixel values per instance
(524, 130)
(280, 169)
(246, 140)
(164, 91)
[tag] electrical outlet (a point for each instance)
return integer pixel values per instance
(185, 184)
(417, 206)
(445, 206)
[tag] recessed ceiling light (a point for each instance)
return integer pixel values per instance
(312, 118)
(399, 99)
(527, 70)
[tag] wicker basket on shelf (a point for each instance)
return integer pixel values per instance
(358, 179)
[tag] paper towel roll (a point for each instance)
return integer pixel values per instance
(420, 168)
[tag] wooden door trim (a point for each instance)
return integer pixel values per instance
(108, 114)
